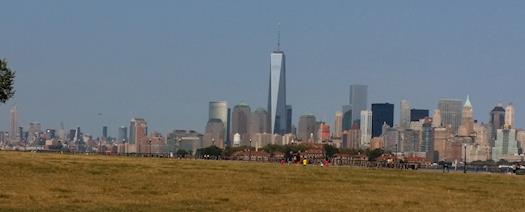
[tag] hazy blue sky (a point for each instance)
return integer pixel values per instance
(165, 60)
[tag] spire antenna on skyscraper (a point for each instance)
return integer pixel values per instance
(278, 36)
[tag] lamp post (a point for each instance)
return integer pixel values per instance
(125, 146)
(149, 142)
(213, 141)
(465, 160)
(179, 140)
(396, 151)
(99, 146)
(250, 150)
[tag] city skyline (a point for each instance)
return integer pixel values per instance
(160, 81)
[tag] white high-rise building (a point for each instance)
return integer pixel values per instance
(366, 128)
(509, 117)
(436, 118)
(219, 110)
(404, 116)
(338, 125)
(13, 135)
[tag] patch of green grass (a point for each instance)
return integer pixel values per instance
(53, 182)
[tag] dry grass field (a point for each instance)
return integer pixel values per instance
(39, 181)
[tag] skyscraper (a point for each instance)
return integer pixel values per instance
(138, 130)
(418, 114)
(323, 132)
(467, 122)
(381, 113)
(347, 117)
(77, 138)
(436, 118)
(307, 127)
(122, 134)
(21, 136)
(240, 120)
(358, 100)
(214, 134)
(288, 119)
(427, 138)
(338, 125)
(50, 133)
(366, 128)
(505, 144)
(258, 122)
(497, 120)
(509, 117)
(34, 131)
(497, 117)
(441, 136)
(228, 141)
(451, 112)
(277, 92)
(62, 132)
(404, 114)
(14, 126)
(352, 139)
(104, 131)
(219, 110)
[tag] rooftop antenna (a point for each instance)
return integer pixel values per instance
(278, 36)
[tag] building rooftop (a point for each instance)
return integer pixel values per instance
(498, 108)
(467, 102)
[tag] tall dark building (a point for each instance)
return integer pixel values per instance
(50, 133)
(240, 120)
(71, 135)
(381, 113)
(497, 120)
(104, 131)
(347, 117)
(418, 114)
(123, 134)
(427, 139)
(21, 134)
(277, 92)
(358, 100)
(288, 119)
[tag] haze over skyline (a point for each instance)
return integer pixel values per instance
(165, 60)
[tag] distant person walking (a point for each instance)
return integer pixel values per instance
(305, 162)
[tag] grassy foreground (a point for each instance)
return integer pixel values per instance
(37, 181)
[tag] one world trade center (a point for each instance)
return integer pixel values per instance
(277, 93)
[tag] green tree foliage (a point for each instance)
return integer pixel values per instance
(273, 148)
(228, 151)
(330, 151)
(294, 148)
(7, 81)
(352, 151)
(182, 153)
(374, 154)
(211, 150)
